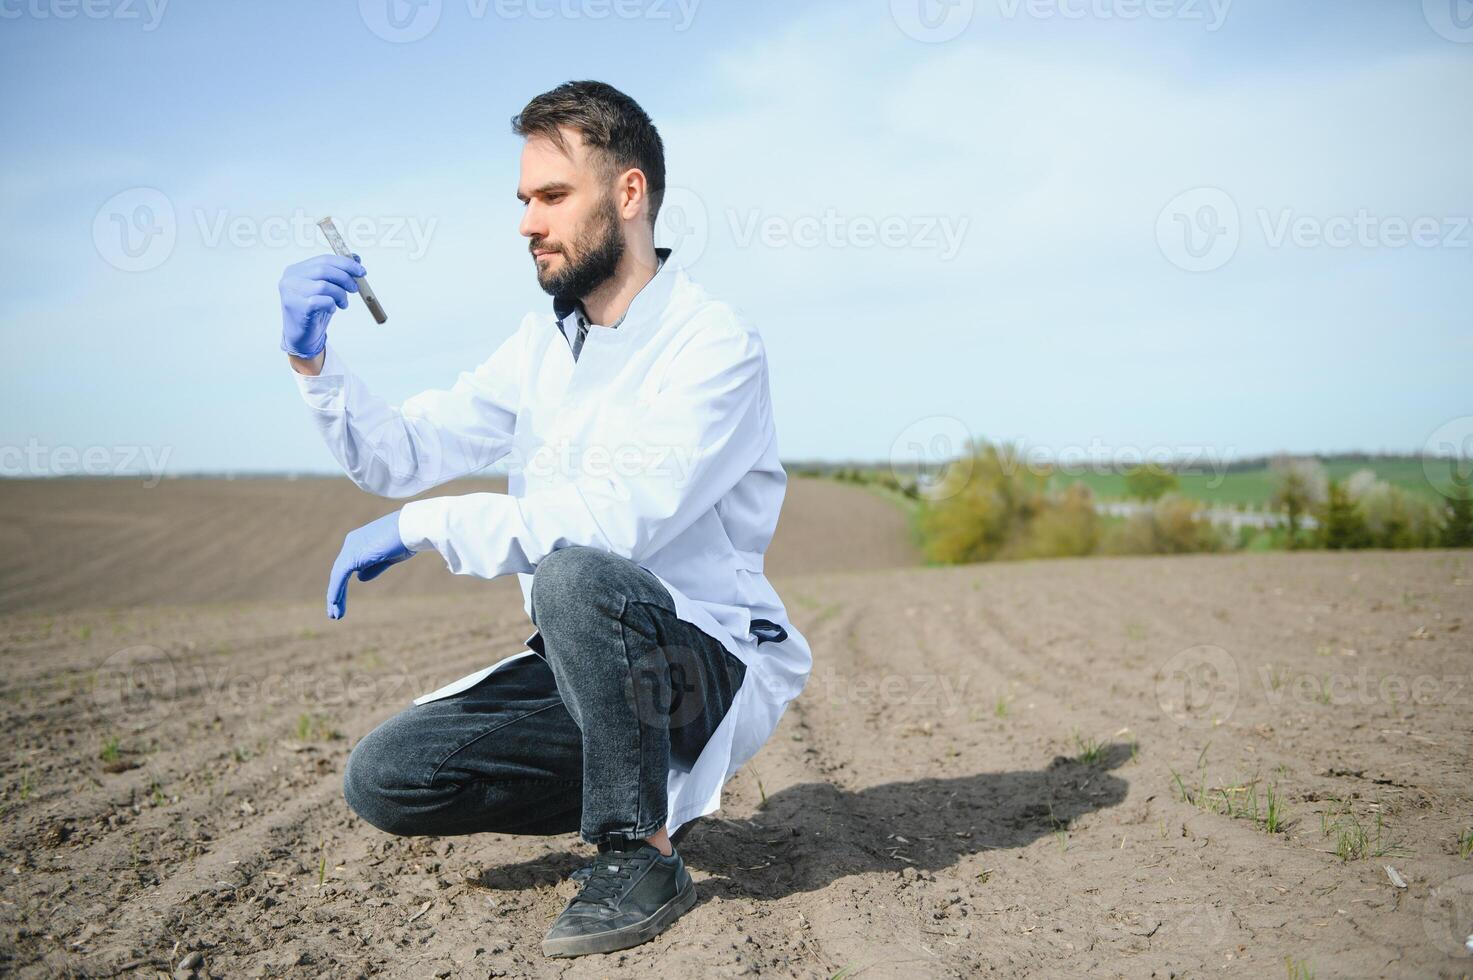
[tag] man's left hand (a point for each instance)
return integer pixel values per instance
(367, 551)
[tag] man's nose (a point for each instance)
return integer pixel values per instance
(532, 224)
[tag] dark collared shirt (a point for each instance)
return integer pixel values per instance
(573, 319)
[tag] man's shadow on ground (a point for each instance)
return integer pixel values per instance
(809, 835)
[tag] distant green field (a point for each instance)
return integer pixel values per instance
(1257, 486)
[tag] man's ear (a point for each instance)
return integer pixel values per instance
(632, 194)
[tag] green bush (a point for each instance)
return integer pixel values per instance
(1299, 486)
(1457, 526)
(1065, 527)
(1149, 482)
(1367, 512)
(991, 505)
(1174, 525)
(1341, 523)
(981, 509)
(1397, 519)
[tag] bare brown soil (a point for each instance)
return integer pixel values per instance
(979, 779)
(100, 543)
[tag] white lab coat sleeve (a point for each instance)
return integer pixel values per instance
(432, 437)
(700, 434)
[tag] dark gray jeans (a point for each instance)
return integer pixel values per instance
(579, 738)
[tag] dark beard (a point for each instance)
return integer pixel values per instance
(593, 260)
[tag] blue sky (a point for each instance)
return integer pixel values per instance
(1231, 226)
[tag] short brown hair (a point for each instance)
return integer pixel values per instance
(609, 120)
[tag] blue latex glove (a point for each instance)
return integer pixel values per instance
(310, 291)
(367, 551)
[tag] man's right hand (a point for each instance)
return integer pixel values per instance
(310, 291)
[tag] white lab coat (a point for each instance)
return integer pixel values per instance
(658, 445)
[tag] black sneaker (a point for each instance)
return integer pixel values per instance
(630, 895)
